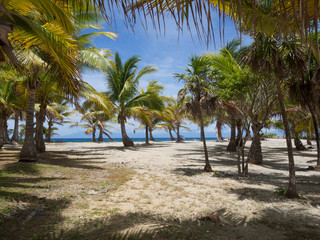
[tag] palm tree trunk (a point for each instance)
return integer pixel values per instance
(150, 133)
(207, 167)
(297, 142)
(15, 136)
(179, 139)
(40, 118)
(309, 138)
(316, 131)
(232, 147)
(6, 133)
(100, 138)
(93, 138)
(219, 134)
(238, 132)
(127, 142)
(292, 190)
(147, 136)
(2, 119)
(49, 132)
(29, 151)
(171, 136)
(109, 137)
(255, 152)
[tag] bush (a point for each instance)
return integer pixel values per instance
(270, 135)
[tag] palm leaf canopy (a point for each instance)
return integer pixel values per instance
(284, 17)
(47, 26)
(123, 81)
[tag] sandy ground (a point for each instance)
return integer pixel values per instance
(170, 184)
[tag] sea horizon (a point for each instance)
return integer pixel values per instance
(120, 139)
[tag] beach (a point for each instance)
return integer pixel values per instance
(167, 194)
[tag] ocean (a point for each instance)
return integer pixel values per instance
(120, 139)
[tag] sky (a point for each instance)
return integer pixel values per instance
(169, 52)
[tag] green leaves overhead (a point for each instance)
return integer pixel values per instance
(123, 80)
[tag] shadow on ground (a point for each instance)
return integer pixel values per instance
(148, 226)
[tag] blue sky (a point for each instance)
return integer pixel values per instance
(169, 52)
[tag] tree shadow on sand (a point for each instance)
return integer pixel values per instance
(307, 181)
(270, 223)
(31, 216)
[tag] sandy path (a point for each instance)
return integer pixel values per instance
(170, 184)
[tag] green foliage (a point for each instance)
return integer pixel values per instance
(123, 82)
(269, 135)
(281, 192)
(236, 83)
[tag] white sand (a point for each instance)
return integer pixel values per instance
(170, 183)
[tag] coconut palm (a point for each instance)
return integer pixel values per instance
(96, 115)
(56, 113)
(197, 85)
(150, 117)
(227, 63)
(123, 80)
(283, 17)
(94, 120)
(173, 117)
(43, 48)
(79, 53)
(264, 56)
(11, 99)
(301, 90)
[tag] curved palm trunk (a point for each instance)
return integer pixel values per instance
(255, 152)
(127, 142)
(150, 133)
(109, 137)
(207, 167)
(2, 120)
(298, 143)
(179, 139)
(100, 138)
(29, 151)
(147, 136)
(6, 133)
(15, 136)
(218, 133)
(93, 138)
(292, 190)
(49, 132)
(40, 145)
(232, 147)
(239, 131)
(171, 136)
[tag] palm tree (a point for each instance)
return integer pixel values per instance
(144, 115)
(174, 115)
(123, 80)
(264, 56)
(43, 48)
(285, 17)
(42, 62)
(56, 113)
(197, 84)
(96, 115)
(171, 118)
(223, 65)
(10, 100)
(150, 117)
(220, 116)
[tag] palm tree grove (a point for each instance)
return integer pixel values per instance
(157, 119)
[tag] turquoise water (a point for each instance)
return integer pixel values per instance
(120, 139)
